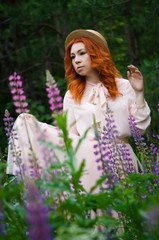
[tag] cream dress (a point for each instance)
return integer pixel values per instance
(80, 117)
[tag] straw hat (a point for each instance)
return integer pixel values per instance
(92, 34)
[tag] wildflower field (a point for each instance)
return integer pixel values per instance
(53, 204)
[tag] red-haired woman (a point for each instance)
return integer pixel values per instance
(94, 85)
(95, 88)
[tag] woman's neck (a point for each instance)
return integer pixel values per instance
(93, 78)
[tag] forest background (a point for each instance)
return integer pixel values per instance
(32, 35)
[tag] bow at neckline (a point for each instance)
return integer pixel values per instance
(98, 95)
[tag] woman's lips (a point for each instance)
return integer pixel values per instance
(80, 68)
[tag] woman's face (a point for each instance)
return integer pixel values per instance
(81, 60)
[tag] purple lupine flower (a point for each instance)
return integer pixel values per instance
(37, 215)
(104, 164)
(108, 236)
(12, 135)
(111, 235)
(48, 153)
(114, 159)
(8, 123)
(19, 98)
(139, 142)
(154, 148)
(34, 168)
(35, 172)
(2, 225)
(155, 169)
(154, 152)
(152, 219)
(55, 100)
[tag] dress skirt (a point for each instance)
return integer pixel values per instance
(26, 148)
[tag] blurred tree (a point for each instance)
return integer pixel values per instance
(32, 35)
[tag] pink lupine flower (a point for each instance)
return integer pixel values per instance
(20, 91)
(11, 78)
(17, 104)
(18, 77)
(22, 97)
(17, 91)
(24, 104)
(58, 98)
(13, 91)
(15, 97)
(18, 110)
(12, 83)
(55, 100)
(19, 83)
(35, 172)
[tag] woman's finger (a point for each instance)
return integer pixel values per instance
(128, 74)
(132, 68)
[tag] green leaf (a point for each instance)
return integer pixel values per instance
(98, 183)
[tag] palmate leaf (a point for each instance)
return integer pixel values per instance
(70, 154)
(72, 206)
(76, 176)
(109, 222)
(98, 183)
(76, 232)
(62, 124)
(12, 179)
(81, 139)
(97, 201)
(57, 187)
(55, 166)
(51, 145)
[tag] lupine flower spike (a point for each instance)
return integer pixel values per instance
(55, 100)
(12, 135)
(17, 91)
(37, 215)
(2, 225)
(154, 152)
(8, 123)
(140, 144)
(113, 158)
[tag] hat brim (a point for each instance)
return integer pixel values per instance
(89, 34)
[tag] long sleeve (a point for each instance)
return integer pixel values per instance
(68, 105)
(94, 100)
(141, 113)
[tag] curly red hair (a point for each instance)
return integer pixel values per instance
(101, 60)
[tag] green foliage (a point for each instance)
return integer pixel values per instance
(77, 233)
(150, 70)
(75, 213)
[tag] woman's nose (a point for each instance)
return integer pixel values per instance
(77, 59)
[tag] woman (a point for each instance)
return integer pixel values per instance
(94, 86)
(94, 83)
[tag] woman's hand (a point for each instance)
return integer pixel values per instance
(136, 79)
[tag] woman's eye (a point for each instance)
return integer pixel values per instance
(82, 53)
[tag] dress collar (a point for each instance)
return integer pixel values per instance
(99, 94)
